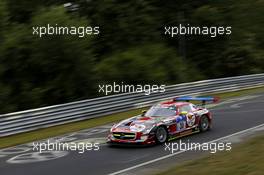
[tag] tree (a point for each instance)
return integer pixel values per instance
(124, 24)
(3, 18)
(48, 70)
(22, 11)
(153, 64)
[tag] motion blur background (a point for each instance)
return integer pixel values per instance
(131, 47)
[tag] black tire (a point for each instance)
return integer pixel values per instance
(204, 124)
(161, 135)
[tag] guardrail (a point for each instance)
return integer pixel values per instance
(19, 122)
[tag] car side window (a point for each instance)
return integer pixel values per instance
(194, 106)
(186, 108)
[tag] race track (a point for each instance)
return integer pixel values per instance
(229, 118)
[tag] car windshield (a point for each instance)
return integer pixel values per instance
(161, 112)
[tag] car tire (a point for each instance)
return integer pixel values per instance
(204, 124)
(161, 135)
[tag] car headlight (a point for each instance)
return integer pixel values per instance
(113, 127)
(148, 130)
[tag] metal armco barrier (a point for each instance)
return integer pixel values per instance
(19, 122)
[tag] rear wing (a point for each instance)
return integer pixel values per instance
(204, 100)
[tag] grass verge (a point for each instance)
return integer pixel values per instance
(245, 159)
(76, 126)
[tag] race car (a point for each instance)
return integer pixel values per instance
(164, 121)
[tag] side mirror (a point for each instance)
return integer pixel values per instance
(183, 113)
(143, 112)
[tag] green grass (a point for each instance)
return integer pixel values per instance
(245, 159)
(239, 93)
(76, 126)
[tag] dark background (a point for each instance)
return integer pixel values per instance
(131, 47)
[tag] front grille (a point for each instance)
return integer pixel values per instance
(124, 135)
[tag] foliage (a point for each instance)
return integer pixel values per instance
(44, 71)
(150, 64)
(130, 48)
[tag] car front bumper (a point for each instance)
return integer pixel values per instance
(147, 140)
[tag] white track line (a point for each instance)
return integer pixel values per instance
(179, 152)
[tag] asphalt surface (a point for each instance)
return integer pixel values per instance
(228, 118)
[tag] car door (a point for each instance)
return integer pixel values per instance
(189, 118)
(181, 119)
